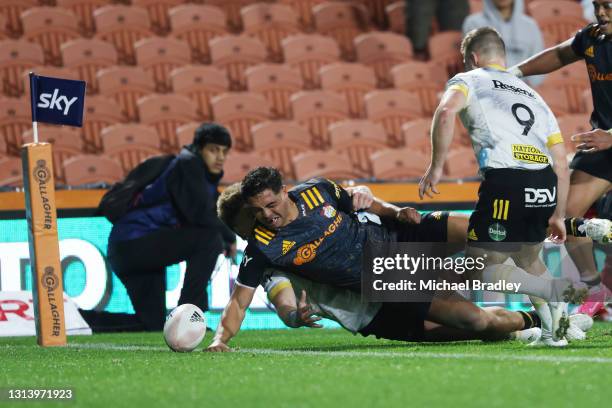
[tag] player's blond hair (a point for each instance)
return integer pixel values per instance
(229, 205)
(484, 41)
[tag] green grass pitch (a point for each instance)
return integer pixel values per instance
(311, 368)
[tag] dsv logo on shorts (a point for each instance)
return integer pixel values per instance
(540, 197)
(57, 102)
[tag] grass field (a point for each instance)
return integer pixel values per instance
(312, 368)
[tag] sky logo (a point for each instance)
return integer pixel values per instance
(56, 101)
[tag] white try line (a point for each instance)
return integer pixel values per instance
(375, 354)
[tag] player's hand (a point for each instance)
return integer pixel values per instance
(557, 230)
(408, 215)
(305, 313)
(362, 197)
(593, 141)
(217, 346)
(428, 183)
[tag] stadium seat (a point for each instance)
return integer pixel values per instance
(10, 172)
(279, 142)
(49, 27)
(308, 53)
(15, 118)
(126, 85)
(353, 80)
(84, 10)
(325, 164)
(343, 21)
(65, 140)
(3, 27)
(392, 108)
(158, 13)
(122, 26)
(382, 51)
(377, 11)
(556, 99)
(90, 169)
(270, 23)
(12, 10)
(358, 139)
(235, 54)
(200, 84)
(571, 125)
(304, 10)
(461, 163)
(197, 24)
(573, 79)
(159, 56)
(100, 111)
(16, 56)
(239, 111)
(232, 11)
(88, 56)
(186, 132)
(238, 164)
(277, 83)
(396, 16)
(559, 18)
(130, 144)
(399, 164)
(166, 113)
(316, 110)
(417, 134)
(444, 49)
(427, 80)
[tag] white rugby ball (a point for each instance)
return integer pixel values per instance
(185, 328)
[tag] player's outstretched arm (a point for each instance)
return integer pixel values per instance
(293, 313)
(232, 318)
(557, 221)
(547, 61)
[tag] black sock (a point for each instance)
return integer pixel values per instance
(530, 319)
(592, 282)
(571, 226)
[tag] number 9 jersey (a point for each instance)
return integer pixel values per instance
(510, 125)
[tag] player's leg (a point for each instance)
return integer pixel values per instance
(457, 227)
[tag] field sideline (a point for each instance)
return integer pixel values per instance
(311, 368)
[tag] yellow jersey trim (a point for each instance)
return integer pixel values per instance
(554, 139)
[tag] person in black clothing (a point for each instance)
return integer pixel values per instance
(172, 220)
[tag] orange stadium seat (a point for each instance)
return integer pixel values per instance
(232, 11)
(308, 53)
(122, 26)
(3, 27)
(392, 108)
(186, 132)
(197, 24)
(353, 80)
(10, 172)
(270, 23)
(50, 27)
(17, 56)
(89, 169)
(277, 83)
(304, 11)
(166, 113)
(88, 56)
(15, 118)
(377, 12)
(12, 10)
(100, 111)
(573, 79)
(382, 51)
(200, 84)
(158, 13)
(84, 10)
(559, 18)
(239, 111)
(343, 21)
(238, 164)
(461, 163)
(130, 144)
(126, 85)
(358, 139)
(325, 164)
(397, 17)
(159, 56)
(279, 142)
(235, 54)
(316, 110)
(66, 142)
(427, 80)
(416, 134)
(444, 49)
(399, 164)
(571, 125)
(556, 99)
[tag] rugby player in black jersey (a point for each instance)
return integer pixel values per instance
(591, 177)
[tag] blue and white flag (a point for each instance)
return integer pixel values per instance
(55, 100)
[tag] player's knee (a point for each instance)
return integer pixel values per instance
(476, 321)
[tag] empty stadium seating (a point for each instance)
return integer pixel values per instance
(316, 110)
(130, 144)
(84, 10)
(399, 164)
(10, 172)
(392, 108)
(343, 21)
(90, 169)
(235, 54)
(561, 19)
(381, 51)
(16, 56)
(325, 164)
(425, 79)
(159, 56)
(88, 56)
(358, 139)
(309, 53)
(353, 80)
(15, 118)
(200, 84)
(277, 83)
(158, 13)
(126, 85)
(238, 165)
(100, 111)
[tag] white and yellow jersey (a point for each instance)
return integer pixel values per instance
(509, 123)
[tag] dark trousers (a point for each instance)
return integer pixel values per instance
(140, 265)
(420, 13)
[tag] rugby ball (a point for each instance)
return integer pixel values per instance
(185, 328)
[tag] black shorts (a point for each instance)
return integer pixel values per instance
(398, 321)
(432, 228)
(513, 206)
(596, 164)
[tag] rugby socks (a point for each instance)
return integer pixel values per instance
(574, 227)
(531, 285)
(530, 319)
